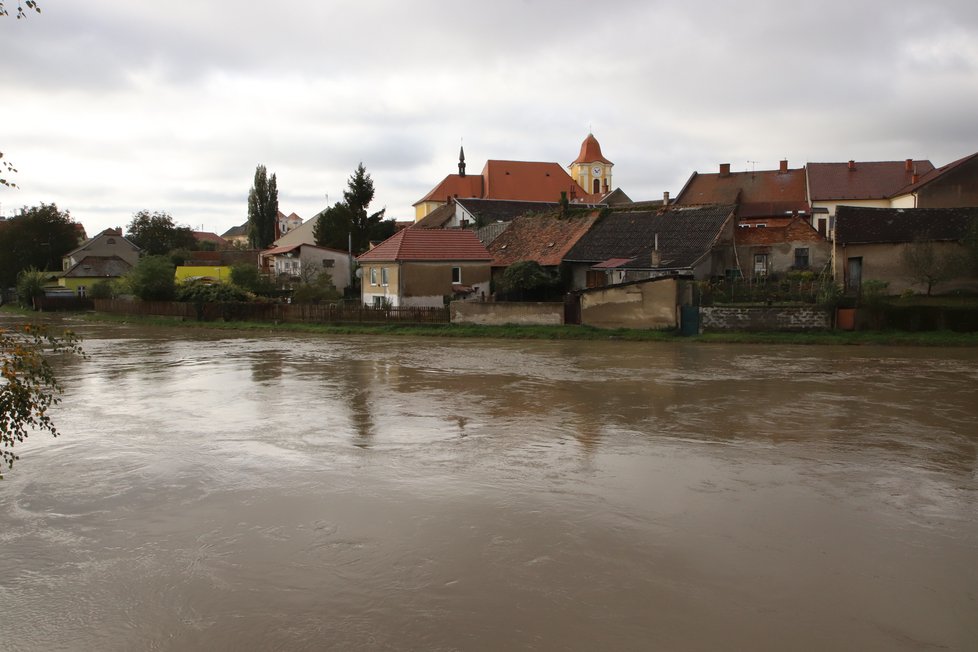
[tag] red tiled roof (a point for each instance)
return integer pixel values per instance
(530, 181)
(428, 244)
(797, 230)
(455, 185)
(863, 180)
(590, 152)
(925, 178)
(545, 239)
(757, 194)
(517, 180)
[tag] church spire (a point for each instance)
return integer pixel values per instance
(461, 161)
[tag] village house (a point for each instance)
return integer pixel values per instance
(782, 244)
(872, 244)
(544, 239)
(627, 245)
(106, 256)
(305, 262)
(422, 267)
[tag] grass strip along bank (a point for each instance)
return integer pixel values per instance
(887, 338)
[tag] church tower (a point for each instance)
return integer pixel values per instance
(591, 170)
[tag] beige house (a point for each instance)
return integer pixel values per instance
(870, 244)
(106, 244)
(421, 267)
(306, 262)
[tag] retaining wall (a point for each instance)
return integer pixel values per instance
(728, 318)
(494, 313)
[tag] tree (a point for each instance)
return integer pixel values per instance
(262, 209)
(156, 234)
(925, 264)
(30, 285)
(526, 277)
(30, 4)
(28, 387)
(38, 238)
(5, 168)
(348, 222)
(152, 279)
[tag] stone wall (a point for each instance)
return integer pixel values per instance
(498, 313)
(729, 318)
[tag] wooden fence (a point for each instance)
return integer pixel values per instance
(334, 313)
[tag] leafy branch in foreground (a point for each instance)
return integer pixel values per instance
(28, 386)
(30, 4)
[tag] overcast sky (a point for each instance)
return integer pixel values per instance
(108, 107)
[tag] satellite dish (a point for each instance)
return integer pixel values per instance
(359, 272)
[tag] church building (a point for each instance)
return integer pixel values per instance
(588, 182)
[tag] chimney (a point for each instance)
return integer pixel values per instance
(724, 169)
(665, 198)
(852, 164)
(908, 165)
(914, 178)
(656, 259)
(784, 166)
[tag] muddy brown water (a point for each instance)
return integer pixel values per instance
(216, 491)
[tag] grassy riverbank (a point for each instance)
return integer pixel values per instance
(934, 338)
(885, 338)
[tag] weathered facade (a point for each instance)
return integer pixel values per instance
(870, 244)
(640, 304)
(777, 248)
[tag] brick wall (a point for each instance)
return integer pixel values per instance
(801, 318)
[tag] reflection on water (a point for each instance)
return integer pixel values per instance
(224, 492)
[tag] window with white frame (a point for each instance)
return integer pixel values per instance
(373, 276)
(456, 275)
(383, 276)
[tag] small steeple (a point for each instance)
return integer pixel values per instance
(461, 161)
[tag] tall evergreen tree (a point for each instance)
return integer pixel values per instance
(349, 220)
(262, 209)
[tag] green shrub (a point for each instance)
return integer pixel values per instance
(30, 284)
(152, 279)
(101, 289)
(199, 292)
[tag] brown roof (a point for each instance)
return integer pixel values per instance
(925, 178)
(544, 239)
(438, 218)
(591, 152)
(430, 245)
(207, 236)
(757, 194)
(858, 225)
(862, 180)
(797, 230)
(98, 267)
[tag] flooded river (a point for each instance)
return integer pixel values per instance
(225, 491)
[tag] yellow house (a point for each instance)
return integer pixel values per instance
(213, 273)
(81, 276)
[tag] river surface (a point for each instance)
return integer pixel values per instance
(260, 491)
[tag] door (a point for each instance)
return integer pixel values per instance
(855, 277)
(572, 309)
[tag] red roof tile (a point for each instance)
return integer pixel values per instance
(544, 239)
(757, 194)
(797, 230)
(516, 180)
(862, 180)
(428, 244)
(455, 185)
(591, 152)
